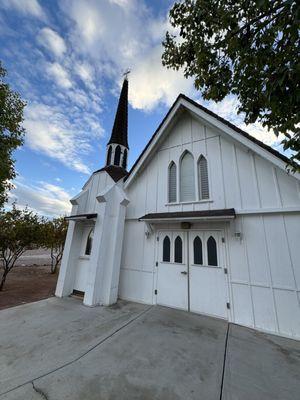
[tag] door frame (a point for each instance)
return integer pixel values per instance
(223, 230)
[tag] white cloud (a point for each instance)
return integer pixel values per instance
(118, 34)
(27, 7)
(151, 83)
(59, 74)
(85, 71)
(44, 198)
(50, 132)
(52, 41)
(227, 109)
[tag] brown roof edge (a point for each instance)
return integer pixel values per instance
(226, 212)
(224, 121)
(82, 216)
(115, 172)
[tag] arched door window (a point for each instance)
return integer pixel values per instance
(108, 161)
(187, 178)
(89, 242)
(178, 250)
(203, 178)
(124, 163)
(172, 183)
(117, 155)
(198, 255)
(212, 256)
(166, 249)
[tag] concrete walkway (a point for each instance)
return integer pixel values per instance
(58, 350)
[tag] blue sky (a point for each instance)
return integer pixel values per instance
(66, 58)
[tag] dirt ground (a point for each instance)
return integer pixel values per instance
(25, 284)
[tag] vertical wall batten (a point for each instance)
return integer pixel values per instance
(279, 199)
(238, 176)
(290, 255)
(249, 274)
(256, 180)
(222, 169)
(271, 277)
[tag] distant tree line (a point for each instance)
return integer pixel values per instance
(22, 230)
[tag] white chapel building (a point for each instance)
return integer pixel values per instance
(207, 220)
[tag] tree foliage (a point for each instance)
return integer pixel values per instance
(54, 236)
(20, 230)
(249, 48)
(11, 133)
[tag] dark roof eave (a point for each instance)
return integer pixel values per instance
(227, 213)
(81, 217)
(115, 172)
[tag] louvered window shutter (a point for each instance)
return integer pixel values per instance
(172, 183)
(187, 178)
(203, 178)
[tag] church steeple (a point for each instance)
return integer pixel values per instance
(117, 147)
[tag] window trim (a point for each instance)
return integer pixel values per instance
(174, 250)
(216, 251)
(197, 188)
(172, 164)
(185, 152)
(85, 254)
(199, 191)
(163, 249)
(194, 248)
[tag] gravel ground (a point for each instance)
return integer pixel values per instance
(25, 284)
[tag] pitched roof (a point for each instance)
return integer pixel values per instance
(224, 121)
(115, 172)
(119, 132)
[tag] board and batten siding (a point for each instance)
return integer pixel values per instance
(264, 267)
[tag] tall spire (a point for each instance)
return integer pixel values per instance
(119, 133)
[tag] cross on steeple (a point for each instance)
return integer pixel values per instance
(126, 73)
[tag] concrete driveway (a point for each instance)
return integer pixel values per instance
(58, 350)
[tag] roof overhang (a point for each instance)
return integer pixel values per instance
(81, 217)
(225, 127)
(190, 216)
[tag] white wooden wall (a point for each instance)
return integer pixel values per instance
(264, 273)
(264, 267)
(96, 183)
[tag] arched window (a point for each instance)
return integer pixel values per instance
(117, 155)
(198, 257)
(178, 250)
(89, 243)
(203, 178)
(212, 256)
(187, 178)
(124, 163)
(166, 249)
(108, 161)
(172, 183)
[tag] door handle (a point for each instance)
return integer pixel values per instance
(183, 272)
